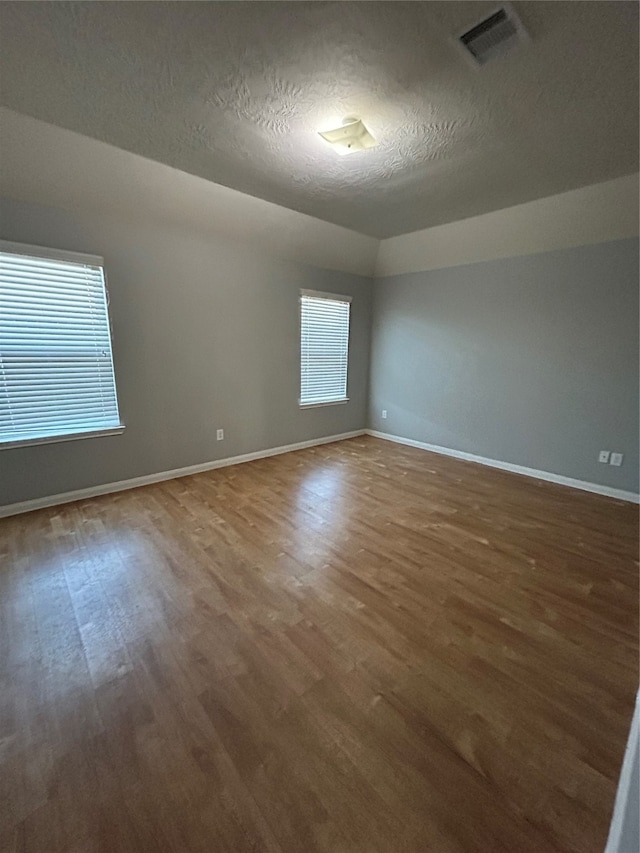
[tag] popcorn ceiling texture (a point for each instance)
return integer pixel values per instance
(235, 91)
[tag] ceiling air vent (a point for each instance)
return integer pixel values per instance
(493, 36)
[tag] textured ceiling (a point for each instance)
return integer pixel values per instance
(235, 92)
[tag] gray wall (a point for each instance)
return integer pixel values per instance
(624, 834)
(630, 834)
(205, 335)
(530, 360)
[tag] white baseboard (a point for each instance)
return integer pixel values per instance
(610, 492)
(147, 479)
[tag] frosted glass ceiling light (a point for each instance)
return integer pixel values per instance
(351, 136)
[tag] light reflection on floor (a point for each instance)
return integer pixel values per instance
(321, 516)
(323, 489)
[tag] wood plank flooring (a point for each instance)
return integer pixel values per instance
(355, 648)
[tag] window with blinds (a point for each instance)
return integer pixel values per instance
(324, 347)
(56, 367)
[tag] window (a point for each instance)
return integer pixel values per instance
(56, 368)
(324, 348)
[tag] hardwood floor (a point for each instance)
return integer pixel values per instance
(356, 648)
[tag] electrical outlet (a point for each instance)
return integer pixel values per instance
(384, 413)
(603, 456)
(616, 459)
(219, 434)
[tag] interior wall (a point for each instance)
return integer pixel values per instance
(205, 336)
(598, 213)
(527, 360)
(624, 834)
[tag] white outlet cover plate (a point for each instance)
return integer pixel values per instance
(616, 459)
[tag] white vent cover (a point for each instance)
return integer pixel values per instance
(494, 36)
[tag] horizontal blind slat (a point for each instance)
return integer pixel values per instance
(38, 260)
(71, 402)
(57, 418)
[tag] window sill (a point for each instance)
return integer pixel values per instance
(327, 403)
(54, 439)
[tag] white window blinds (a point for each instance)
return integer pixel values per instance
(324, 347)
(56, 368)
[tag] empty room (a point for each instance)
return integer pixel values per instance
(319, 427)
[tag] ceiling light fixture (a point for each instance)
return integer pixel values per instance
(351, 136)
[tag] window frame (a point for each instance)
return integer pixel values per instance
(62, 255)
(335, 297)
